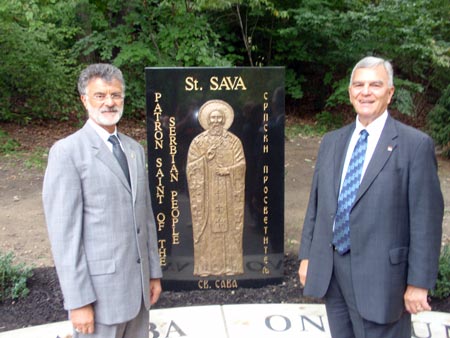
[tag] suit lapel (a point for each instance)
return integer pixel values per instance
(340, 149)
(383, 151)
(131, 154)
(102, 152)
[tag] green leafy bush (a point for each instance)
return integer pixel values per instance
(442, 289)
(36, 81)
(45, 44)
(327, 121)
(339, 96)
(439, 122)
(13, 278)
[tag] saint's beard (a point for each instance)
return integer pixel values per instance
(216, 130)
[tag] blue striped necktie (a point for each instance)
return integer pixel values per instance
(341, 235)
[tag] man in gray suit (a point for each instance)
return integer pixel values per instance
(372, 232)
(99, 217)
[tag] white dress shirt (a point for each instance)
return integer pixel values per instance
(374, 130)
(104, 135)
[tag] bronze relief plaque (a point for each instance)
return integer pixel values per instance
(215, 140)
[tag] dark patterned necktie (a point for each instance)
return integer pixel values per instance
(341, 235)
(120, 156)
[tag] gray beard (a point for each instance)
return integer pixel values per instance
(216, 131)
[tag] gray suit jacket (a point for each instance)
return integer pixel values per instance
(395, 222)
(102, 232)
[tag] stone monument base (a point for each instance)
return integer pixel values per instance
(235, 321)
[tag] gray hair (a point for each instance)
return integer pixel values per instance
(104, 71)
(372, 62)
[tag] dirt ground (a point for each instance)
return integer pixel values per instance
(22, 225)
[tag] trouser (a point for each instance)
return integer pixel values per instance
(343, 316)
(137, 327)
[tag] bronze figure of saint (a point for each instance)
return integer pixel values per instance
(216, 181)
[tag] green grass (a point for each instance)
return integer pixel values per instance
(295, 130)
(26, 160)
(37, 159)
(324, 122)
(8, 145)
(10, 152)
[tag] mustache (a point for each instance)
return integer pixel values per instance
(109, 110)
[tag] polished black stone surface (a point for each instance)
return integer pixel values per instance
(173, 98)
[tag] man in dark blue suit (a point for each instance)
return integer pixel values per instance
(372, 232)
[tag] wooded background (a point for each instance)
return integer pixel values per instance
(45, 43)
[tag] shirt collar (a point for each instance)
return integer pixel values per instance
(104, 135)
(375, 127)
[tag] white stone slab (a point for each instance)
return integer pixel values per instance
(189, 322)
(277, 321)
(243, 321)
(59, 329)
(431, 324)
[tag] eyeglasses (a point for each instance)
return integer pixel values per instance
(103, 97)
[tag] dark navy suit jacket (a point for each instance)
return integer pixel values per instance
(395, 222)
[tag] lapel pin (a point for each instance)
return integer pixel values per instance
(390, 148)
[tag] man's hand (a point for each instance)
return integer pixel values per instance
(416, 299)
(155, 290)
(83, 319)
(302, 271)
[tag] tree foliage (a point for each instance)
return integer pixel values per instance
(135, 34)
(329, 37)
(35, 75)
(45, 43)
(439, 121)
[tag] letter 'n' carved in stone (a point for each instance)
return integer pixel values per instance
(320, 327)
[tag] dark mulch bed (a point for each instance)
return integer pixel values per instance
(44, 303)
